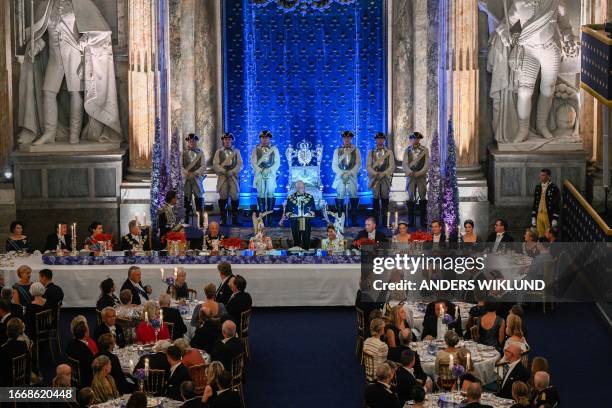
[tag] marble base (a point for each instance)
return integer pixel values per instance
(596, 191)
(560, 144)
(514, 175)
(73, 148)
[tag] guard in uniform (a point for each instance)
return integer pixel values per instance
(227, 163)
(416, 164)
(166, 218)
(546, 203)
(380, 165)
(346, 164)
(298, 204)
(194, 167)
(265, 160)
(135, 240)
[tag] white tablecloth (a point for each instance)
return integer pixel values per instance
(129, 356)
(431, 400)
(483, 357)
(269, 285)
(121, 401)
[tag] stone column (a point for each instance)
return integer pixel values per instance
(141, 82)
(463, 50)
(6, 86)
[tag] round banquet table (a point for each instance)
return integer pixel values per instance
(152, 402)
(129, 356)
(431, 400)
(417, 311)
(483, 357)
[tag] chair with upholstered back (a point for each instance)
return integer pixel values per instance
(193, 294)
(361, 335)
(245, 322)
(21, 373)
(155, 382)
(198, 376)
(75, 365)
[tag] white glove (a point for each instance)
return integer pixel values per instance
(554, 223)
(533, 221)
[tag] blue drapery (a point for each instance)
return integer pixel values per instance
(304, 76)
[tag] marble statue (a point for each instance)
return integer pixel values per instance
(517, 57)
(72, 43)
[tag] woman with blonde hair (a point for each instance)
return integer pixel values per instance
(93, 346)
(514, 331)
(216, 309)
(446, 356)
(538, 364)
(152, 328)
(190, 355)
(399, 330)
(520, 395)
(213, 371)
(103, 385)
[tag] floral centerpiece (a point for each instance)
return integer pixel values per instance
(102, 242)
(232, 244)
(169, 281)
(140, 376)
(421, 236)
(176, 241)
(448, 319)
(364, 242)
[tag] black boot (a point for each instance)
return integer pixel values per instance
(423, 208)
(187, 204)
(384, 210)
(410, 205)
(235, 222)
(354, 209)
(339, 206)
(376, 210)
(270, 207)
(223, 211)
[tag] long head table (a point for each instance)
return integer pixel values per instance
(269, 283)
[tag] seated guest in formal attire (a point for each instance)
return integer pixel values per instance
(490, 328)
(399, 330)
(517, 309)
(475, 312)
(140, 293)
(94, 229)
(216, 309)
(138, 399)
(107, 295)
(404, 377)
(5, 316)
(212, 240)
(134, 240)
(445, 356)
(78, 349)
(103, 385)
(365, 301)
(179, 290)
(538, 364)
(543, 392)
(208, 332)
(59, 238)
(63, 376)
(379, 394)
(188, 395)
(173, 316)
(91, 343)
(12, 348)
(332, 242)
(530, 243)
(126, 308)
(370, 232)
(157, 360)
(375, 347)
(472, 396)
(37, 305)
(438, 236)
(229, 347)
(106, 344)
(520, 395)
(240, 301)
(418, 397)
(166, 216)
(223, 290)
(500, 236)
(190, 356)
(22, 286)
(433, 322)
(213, 371)
(469, 235)
(11, 296)
(466, 380)
(53, 293)
(109, 318)
(17, 241)
(514, 331)
(403, 234)
(512, 370)
(225, 397)
(178, 373)
(145, 332)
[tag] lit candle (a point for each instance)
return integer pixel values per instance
(205, 218)
(450, 364)
(59, 230)
(388, 218)
(396, 219)
(146, 366)
(146, 317)
(162, 273)
(175, 272)
(144, 217)
(198, 219)
(161, 316)
(136, 219)
(131, 365)
(469, 362)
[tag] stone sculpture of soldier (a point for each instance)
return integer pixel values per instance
(194, 169)
(416, 164)
(380, 165)
(265, 161)
(346, 164)
(227, 164)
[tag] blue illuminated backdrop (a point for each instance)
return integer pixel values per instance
(304, 75)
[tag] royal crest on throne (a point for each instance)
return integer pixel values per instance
(305, 165)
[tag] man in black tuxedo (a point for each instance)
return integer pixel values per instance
(225, 397)
(543, 392)
(11, 349)
(109, 317)
(513, 370)
(240, 301)
(438, 309)
(135, 239)
(60, 236)
(5, 316)
(370, 232)
(106, 344)
(53, 293)
(379, 393)
(188, 395)
(474, 392)
(140, 293)
(78, 350)
(172, 315)
(404, 376)
(178, 373)
(500, 237)
(223, 291)
(226, 349)
(157, 360)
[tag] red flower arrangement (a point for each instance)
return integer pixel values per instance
(103, 237)
(364, 242)
(176, 236)
(421, 236)
(231, 242)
